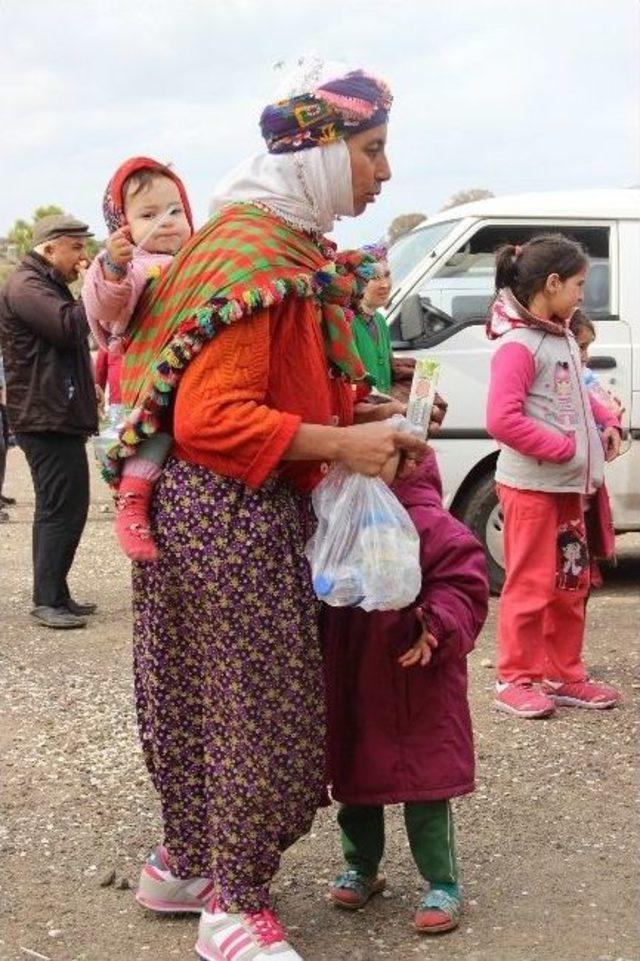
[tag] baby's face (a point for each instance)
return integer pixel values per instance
(144, 208)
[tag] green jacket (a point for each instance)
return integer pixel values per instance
(375, 352)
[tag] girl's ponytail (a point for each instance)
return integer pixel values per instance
(506, 266)
(525, 269)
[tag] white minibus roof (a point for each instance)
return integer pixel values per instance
(621, 204)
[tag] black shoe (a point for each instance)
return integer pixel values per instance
(7, 501)
(57, 617)
(80, 610)
(4, 517)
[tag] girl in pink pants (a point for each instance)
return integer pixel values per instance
(552, 456)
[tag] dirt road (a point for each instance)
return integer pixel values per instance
(547, 844)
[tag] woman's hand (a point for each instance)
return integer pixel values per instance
(366, 448)
(401, 393)
(611, 442)
(367, 413)
(420, 651)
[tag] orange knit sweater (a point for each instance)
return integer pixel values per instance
(241, 401)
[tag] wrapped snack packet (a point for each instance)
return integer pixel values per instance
(423, 392)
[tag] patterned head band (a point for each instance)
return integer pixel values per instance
(113, 200)
(332, 111)
(379, 253)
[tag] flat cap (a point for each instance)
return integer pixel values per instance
(58, 225)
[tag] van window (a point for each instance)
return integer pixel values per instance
(466, 280)
(408, 251)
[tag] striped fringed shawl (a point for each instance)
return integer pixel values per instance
(244, 260)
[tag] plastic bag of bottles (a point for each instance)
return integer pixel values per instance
(109, 429)
(365, 551)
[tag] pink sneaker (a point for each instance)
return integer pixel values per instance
(522, 700)
(223, 936)
(582, 694)
(159, 890)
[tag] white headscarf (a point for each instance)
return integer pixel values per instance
(308, 189)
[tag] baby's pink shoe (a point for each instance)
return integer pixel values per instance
(132, 519)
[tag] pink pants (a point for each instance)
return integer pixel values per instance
(542, 607)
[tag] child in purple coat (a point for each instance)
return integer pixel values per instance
(399, 728)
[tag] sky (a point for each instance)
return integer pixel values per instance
(498, 94)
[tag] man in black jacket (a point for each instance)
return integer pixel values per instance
(51, 403)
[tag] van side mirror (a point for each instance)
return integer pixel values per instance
(420, 320)
(412, 318)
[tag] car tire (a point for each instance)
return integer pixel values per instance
(482, 514)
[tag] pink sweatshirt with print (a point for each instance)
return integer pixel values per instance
(513, 372)
(109, 304)
(538, 407)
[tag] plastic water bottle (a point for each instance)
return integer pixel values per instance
(109, 431)
(339, 588)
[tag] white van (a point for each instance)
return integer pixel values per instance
(443, 276)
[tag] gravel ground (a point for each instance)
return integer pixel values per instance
(547, 844)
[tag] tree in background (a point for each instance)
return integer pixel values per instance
(467, 196)
(20, 236)
(403, 224)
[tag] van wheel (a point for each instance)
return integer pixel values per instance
(482, 514)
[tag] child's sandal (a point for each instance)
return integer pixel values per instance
(352, 889)
(439, 911)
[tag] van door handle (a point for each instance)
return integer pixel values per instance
(601, 363)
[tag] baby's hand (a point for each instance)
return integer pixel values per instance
(420, 651)
(119, 247)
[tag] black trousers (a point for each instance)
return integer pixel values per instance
(4, 436)
(60, 473)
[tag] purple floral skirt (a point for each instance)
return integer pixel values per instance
(228, 681)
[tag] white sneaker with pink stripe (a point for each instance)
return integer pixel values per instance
(242, 937)
(160, 890)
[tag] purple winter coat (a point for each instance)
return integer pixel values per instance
(404, 734)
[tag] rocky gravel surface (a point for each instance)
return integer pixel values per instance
(547, 844)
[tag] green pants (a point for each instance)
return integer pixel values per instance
(429, 829)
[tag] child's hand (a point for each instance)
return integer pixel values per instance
(611, 443)
(616, 405)
(119, 247)
(402, 368)
(438, 414)
(420, 651)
